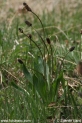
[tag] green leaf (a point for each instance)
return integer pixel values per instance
(74, 104)
(47, 76)
(55, 85)
(40, 85)
(38, 65)
(18, 87)
(27, 73)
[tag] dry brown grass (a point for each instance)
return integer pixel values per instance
(37, 5)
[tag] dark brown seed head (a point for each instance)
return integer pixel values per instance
(20, 30)
(28, 23)
(20, 61)
(27, 7)
(71, 49)
(48, 40)
(29, 36)
(24, 4)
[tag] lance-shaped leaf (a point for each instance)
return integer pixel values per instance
(19, 88)
(25, 71)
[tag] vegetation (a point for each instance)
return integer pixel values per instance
(40, 66)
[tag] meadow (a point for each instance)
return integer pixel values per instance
(41, 65)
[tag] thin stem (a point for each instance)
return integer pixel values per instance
(62, 63)
(40, 37)
(51, 60)
(70, 50)
(40, 21)
(34, 43)
(30, 10)
(42, 41)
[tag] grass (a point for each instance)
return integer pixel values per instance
(36, 85)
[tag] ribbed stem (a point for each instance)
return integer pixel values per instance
(40, 21)
(42, 41)
(34, 43)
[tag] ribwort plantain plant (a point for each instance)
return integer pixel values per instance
(48, 94)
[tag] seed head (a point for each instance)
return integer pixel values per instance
(27, 7)
(29, 36)
(28, 23)
(71, 49)
(24, 4)
(20, 30)
(48, 40)
(20, 61)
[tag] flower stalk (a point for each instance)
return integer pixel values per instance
(30, 37)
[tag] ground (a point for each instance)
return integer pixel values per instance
(37, 5)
